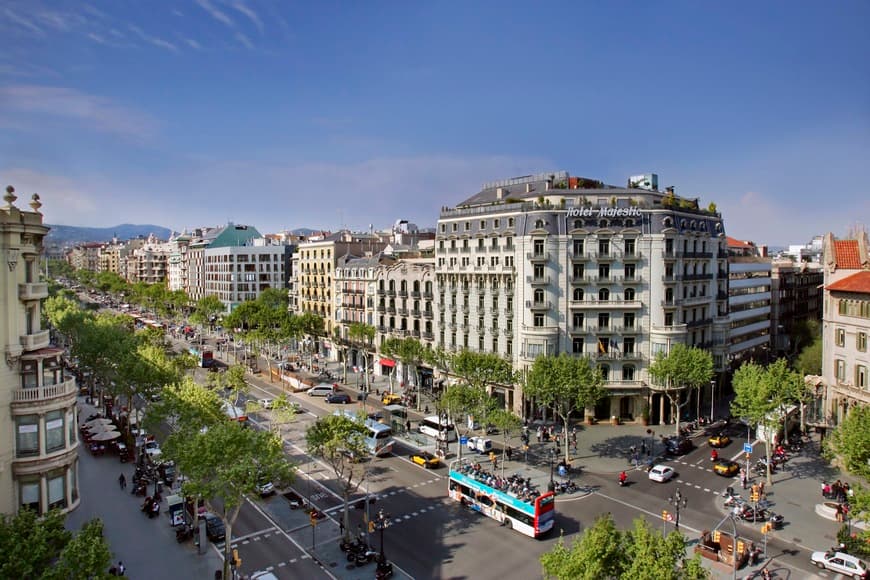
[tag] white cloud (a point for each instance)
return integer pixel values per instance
(244, 41)
(215, 12)
(91, 111)
(96, 38)
(64, 201)
(193, 44)
(155, 40)
(22, 21)
(252, 16)
(177, 12)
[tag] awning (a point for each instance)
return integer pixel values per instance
(387, 362)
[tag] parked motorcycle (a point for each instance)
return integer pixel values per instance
(385, 570)
(183, 533)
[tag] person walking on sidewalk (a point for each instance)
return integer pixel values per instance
(122, 481)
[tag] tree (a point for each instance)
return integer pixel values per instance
(762, 395)
(282, 412)
(566, 384)
(682, 370)
(809, 361)
(412, 353)
(206, 309)
(340, 442)
(507, 423)
(480, 371)
(362, 336)
(849, 446)
(603, 551)
(40, 547)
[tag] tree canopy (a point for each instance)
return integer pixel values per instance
(679, 371)
(604, 552)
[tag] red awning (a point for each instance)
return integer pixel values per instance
(387, 362)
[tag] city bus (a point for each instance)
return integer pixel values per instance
(379, 437)
(438, 429)
(533, 517)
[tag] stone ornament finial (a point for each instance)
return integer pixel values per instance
(10, 196)
(35, 204)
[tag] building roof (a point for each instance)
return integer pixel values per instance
(234, 235)
(846, 254)
(735, 243)
(858, 283)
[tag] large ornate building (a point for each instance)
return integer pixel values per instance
(39, 446)
(552, 263)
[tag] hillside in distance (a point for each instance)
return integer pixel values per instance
(67, 235)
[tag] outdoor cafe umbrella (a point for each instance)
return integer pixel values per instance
(97, 429)
(106, 436)
(100, 421)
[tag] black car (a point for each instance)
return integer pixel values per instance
(342, 398)
(214, 528)
(678, 445)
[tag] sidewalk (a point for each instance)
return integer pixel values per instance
(146, 546)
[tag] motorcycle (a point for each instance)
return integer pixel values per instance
(183, 533)
(385, 570)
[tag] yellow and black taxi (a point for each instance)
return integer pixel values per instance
(390, 399)
(425, 459)
(725, 467)
(719, 440)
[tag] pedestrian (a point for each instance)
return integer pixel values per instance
(122, 481)
(493, 459)
(526, 452)
(341, 527)
(121, 568)
(539, 433)
(761, 490)
(509, 452)
(408, 426)
(643, 447)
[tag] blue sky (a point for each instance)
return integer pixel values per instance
(285, 114)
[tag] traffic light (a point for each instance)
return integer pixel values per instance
(665, 515)
(313, 519)
(237, 561)
(767, 528)
(754, 496)
(371, 527)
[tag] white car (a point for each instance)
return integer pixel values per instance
(661, 473)
(841, 563)
(265, 403)
(264, 576)
(152, 448)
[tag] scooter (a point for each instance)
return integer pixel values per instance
(385, 570)
(183, 533)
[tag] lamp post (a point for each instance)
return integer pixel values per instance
(382, 522)
(678, 501)
(712, 398)
(552, 459)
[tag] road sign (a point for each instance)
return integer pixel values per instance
(463, 440)
(747, 448)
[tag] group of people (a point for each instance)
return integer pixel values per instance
(519, 487)
(839, 491)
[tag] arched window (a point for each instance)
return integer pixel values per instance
(628, 373)
(539, 224)
(604, 294)
(578, 224)
(602, 223)
(578, 294)
(629, 294)
(683, 224)
(669, 294)
(605, 371)
(629, 223)
(667, 222)
(539, 295)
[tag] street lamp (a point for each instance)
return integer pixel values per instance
(712, 390)
(382, 522)
(552, 459)
(678, 501)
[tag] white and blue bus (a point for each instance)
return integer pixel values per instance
(379, 437)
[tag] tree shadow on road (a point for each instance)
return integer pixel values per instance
(615, 447)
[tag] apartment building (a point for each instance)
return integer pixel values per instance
(237, 273)
(355, 296)
(315, 276)
(177, 265)
(552, 263)
(39, 449)
(796, 289)
(85, 256)
(404, 308)
(749, 303)
(845, 326)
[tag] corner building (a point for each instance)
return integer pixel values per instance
(39, 445)
(552, 263)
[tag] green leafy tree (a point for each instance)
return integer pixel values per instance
(40, 547)
(603, 551)
(362, 336)
(678, 373)
(207, 308)
(849, 446)
(480, 371)
(809, 361)
(282, 412)
(566, 384)
(762, 395)
(507, 424)
(456, 402)
(340, 442)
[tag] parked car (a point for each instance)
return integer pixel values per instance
(390, 399)
(342, 398)
(152, 449)
(265, 487)
(840, 562)
(661, 473)
(266, 402)
(214, 528)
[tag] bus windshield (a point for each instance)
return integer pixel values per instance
(379, 437)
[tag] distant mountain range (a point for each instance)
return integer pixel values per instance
(67, 235)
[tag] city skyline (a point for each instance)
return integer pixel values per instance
(209, 111)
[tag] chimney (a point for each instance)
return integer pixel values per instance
(499, 193)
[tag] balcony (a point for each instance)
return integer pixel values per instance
(541, 305)
(403, 293)
(580, 256)
(705, 255)
(609, 255)
(670, 278)
(45, 392)
(464, 308)
(402, 312)
(697, 323)
(415, 293)
(466, 290)
(415, 333)
(721, 296)
(508, 332)
(35, 341)
(692, 277)
(601, 329)
(595, 303)
(632, 256)
(630, 279)
(391, 292)
(428, 336)
(672, 303)
(427, 314)
(635, 329)
(616, 355)
(36, 291)
(577, 330)
(672, 254)
(427, 295)
(508, 312)
(391, 309)
(538, 256)
(538, 280)
(415, 313)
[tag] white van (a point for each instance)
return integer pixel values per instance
(322, 390)
(442, 430)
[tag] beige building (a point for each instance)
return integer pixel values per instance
(845, 327)
(39, 446)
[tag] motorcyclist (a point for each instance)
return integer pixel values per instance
(714, 455)
(622, 478)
